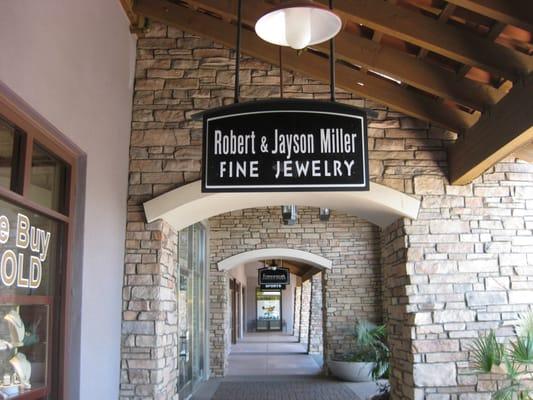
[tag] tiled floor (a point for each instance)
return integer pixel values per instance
(360, 390)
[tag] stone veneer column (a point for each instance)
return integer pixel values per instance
(461, 268)
(470, 264)
(219, 320)
(149, 327)
(297, 310)
(395, 307)
(305, 312)
(316, 326)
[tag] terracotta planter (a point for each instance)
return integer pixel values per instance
(352, 371)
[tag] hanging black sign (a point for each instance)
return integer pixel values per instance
(285, 145)
(270, 276)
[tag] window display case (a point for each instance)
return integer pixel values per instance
(30, 264)
(24, 348)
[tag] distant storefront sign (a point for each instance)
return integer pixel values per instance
(272, 286)
(285, 145)
(274, 278)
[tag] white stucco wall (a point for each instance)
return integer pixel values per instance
(287, 299)
(72, 61)
(239, 273)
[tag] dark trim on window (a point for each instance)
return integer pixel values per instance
(31, 123)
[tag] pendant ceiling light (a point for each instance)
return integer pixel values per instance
(298, 24)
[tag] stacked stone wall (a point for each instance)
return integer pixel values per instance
(463, 266)
(149, 320)
(219, 320)
(305, 313)
(470, 266)
(316, 319)
(395, 307)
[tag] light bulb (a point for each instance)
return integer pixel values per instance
(298, 27)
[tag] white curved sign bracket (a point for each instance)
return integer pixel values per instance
(187, 204)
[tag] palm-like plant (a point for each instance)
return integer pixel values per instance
(370, 346)
(514, 359)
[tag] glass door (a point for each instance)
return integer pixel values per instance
(198, 301)
(268, 310)
(184, 334)
(191, 295)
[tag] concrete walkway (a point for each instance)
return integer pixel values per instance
(274, 366)
(271, 354)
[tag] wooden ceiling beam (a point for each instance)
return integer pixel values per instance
(502, 131)
(296, 268)
(494, 32)
(371, 55)
(136, 23)
(311, 65)
(514, 12)
(444, 15)
(415, 72)
(443, 39)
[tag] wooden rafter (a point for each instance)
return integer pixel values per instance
(369, 54)
(502, 131)
(297, 268)
(136, 22)
(312, 65)
(494, 32)
(514, 12)
(443, 17)
(443, 39)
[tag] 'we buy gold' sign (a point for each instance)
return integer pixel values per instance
(16, 238)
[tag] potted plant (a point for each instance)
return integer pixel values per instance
(370, 358)
(512, 360)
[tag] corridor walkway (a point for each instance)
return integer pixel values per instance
(267, 353)
(274, 366)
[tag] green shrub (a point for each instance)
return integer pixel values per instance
(514, 360)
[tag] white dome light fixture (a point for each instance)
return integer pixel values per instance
(298, 24)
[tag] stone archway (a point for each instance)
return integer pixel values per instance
(276, 252)
(307, 298)
(181, 207)
(346, 248)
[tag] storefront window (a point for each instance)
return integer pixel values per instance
(268, 310)
(33, 251)
(48, 179)
(29, 264)
(191, 308)
(9, 152)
